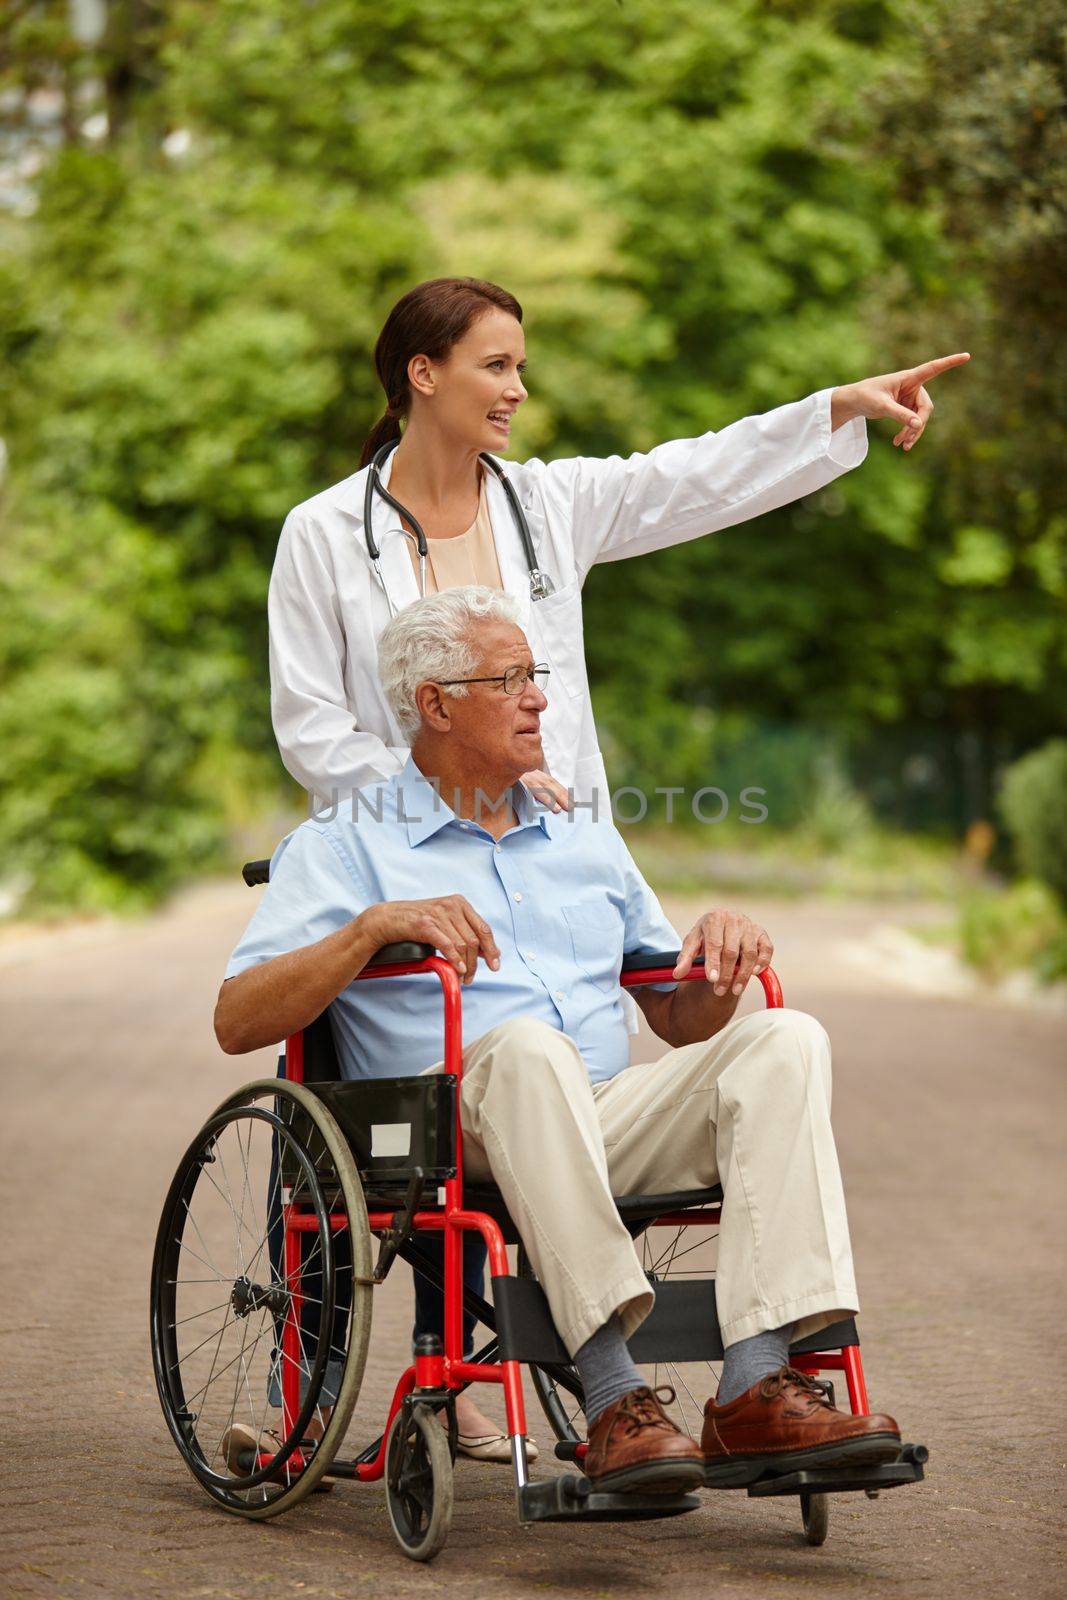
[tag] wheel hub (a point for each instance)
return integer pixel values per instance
(246, 1297)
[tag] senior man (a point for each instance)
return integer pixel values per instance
(536, 911)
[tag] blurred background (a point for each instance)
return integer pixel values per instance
(207, 209)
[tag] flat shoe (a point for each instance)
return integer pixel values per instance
(240, 1440)
(491, 1447)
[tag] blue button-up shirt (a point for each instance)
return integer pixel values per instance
(561, 893)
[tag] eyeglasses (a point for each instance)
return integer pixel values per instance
(514, 679)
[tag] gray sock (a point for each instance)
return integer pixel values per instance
(605, 1368)
(749, 1360)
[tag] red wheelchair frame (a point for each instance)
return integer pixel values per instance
(449, 1370)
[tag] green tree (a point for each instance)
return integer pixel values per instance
(703, 217)
(972, 121)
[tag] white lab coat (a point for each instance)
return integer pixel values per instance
(334, 729)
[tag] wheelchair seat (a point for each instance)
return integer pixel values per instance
(636, 1210)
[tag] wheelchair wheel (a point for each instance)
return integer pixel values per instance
(418, 1481)
(815, 1510)
(237, 1300)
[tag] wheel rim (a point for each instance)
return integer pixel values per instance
(418, 1481)
(411, 1485)
(223, 1299)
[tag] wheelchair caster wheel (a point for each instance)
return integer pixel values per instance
(418, 1482)
(815, 1509)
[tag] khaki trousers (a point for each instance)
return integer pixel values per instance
(749, 1109)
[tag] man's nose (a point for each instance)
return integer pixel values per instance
(533, 696)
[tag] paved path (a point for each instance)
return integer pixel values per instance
(949, 1119)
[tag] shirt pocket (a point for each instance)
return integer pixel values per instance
(596, 939)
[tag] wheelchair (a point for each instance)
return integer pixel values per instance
(263, 1280)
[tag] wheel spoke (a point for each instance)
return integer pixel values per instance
(684, 1385)
(206, 1313)
(190, 1401)
(209, 1263)
(227, 1201)
(237, 1380)
(215, 1357)
(190, 1353)
(183, 1245)
(249, 1188)
(677, 1255)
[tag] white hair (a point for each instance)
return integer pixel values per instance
(433, 639)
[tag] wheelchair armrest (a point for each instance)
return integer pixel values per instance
(254, 872)
(768, 978)
(406, 950)
(643, 963)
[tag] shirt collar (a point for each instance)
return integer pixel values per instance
(422, 809)
(420, 805)
(530, 812)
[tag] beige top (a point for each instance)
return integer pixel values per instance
(465, 558)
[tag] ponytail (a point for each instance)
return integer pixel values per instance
(384, 430)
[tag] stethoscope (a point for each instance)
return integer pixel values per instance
(541, 584)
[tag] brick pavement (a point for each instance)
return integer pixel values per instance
(949, 1117)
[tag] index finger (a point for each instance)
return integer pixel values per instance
(562, 794)
(482, 932)
(690, 945)
(713, 928)
(930, 369)
(542, 784)
(548, 785)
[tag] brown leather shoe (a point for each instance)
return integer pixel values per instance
(635, 1445)
(786, 1422)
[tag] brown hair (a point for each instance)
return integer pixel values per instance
(427, 321)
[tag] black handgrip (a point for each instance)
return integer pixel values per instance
(668, 959)
(406, 950)
(254, 872)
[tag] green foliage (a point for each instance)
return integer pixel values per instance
(971, 119)
(704, 211)
(106, 714)
(1033, 803)
(1021, 928)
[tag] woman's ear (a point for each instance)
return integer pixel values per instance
(421, 374)
(435, 707)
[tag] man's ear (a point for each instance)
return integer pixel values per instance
(435, 707)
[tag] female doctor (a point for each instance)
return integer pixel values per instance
(439, 509)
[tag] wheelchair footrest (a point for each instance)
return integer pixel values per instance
(845, 1479)
(570, 1498)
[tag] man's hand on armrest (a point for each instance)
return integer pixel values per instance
(734, 948)
(269, 1002)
